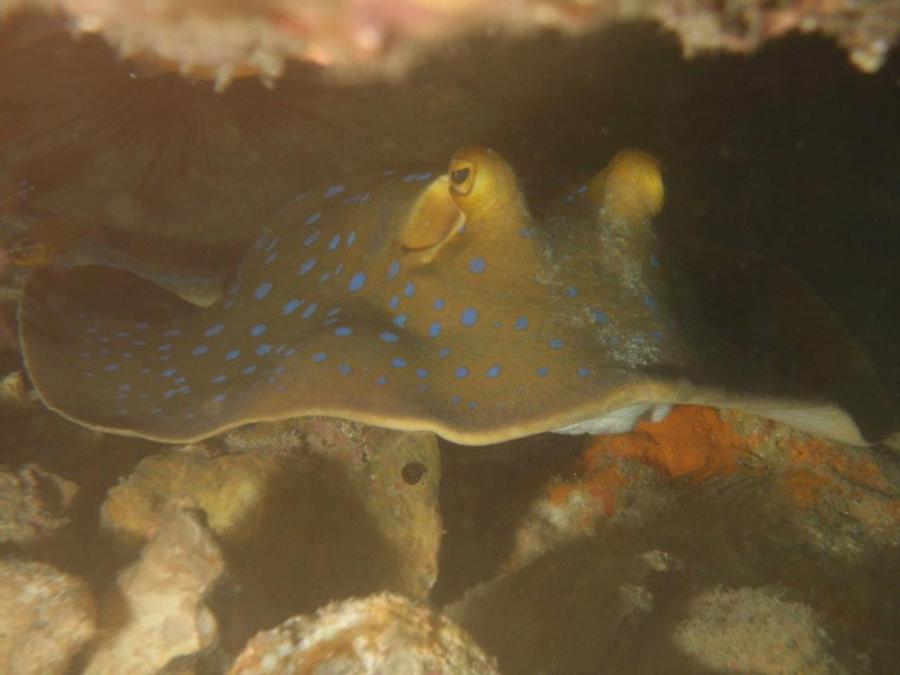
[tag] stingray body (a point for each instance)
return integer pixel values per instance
(434, 300)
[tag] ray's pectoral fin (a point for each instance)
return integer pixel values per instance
(67, 318)
(791, 347)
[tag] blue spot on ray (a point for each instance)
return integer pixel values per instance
(521, 323)
(381, 380)
(309, 311)
(556, 343)
(599, 315)
(249, 370)
(477, 265)
(345, 369)
(262, 290)
(200, 350)
(393, 270)
(335, 242)
(410, 289)
(258, 329)
(421, 373)
(461, 372)
(311, 239)
(435, 329)
(394, 302)
(168, 372)
(439, 304)
(263, 349)
(357, 281)
(398, 362)
(343, 330)
(493, 371)
(400, 320)
(314, 218)
(542, 372)
(332, 191)
(318, 357)
(389, 337)
(469, 316)
(290, 306)
(232, 355)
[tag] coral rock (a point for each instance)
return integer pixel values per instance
(156, 612)
(753, 630)
(33, 504)
(233, 491)
(379, 634)
(46, 617)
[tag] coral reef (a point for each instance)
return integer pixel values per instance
(33, 504)
(220, 40)
(46, 618)
(754, 630)
(705, 542)
(378, 634)
(156, 611)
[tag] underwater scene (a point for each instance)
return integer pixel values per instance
(449, 338)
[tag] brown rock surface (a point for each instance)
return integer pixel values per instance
(33, 504)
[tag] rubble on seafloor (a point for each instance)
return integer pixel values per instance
(383, 633)
(647, 536)
(33, 504)
(155, 612)
(47, 618)
(613, 555)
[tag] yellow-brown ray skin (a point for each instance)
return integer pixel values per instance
(594, 340)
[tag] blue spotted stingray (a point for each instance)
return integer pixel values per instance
(435, 300)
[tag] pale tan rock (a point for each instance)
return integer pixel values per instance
(46, 618)
(33, 504)
(233, 490)
(156, 612)
(379, 634)
(752, 630)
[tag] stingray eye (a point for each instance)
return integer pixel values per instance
(462, 176)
